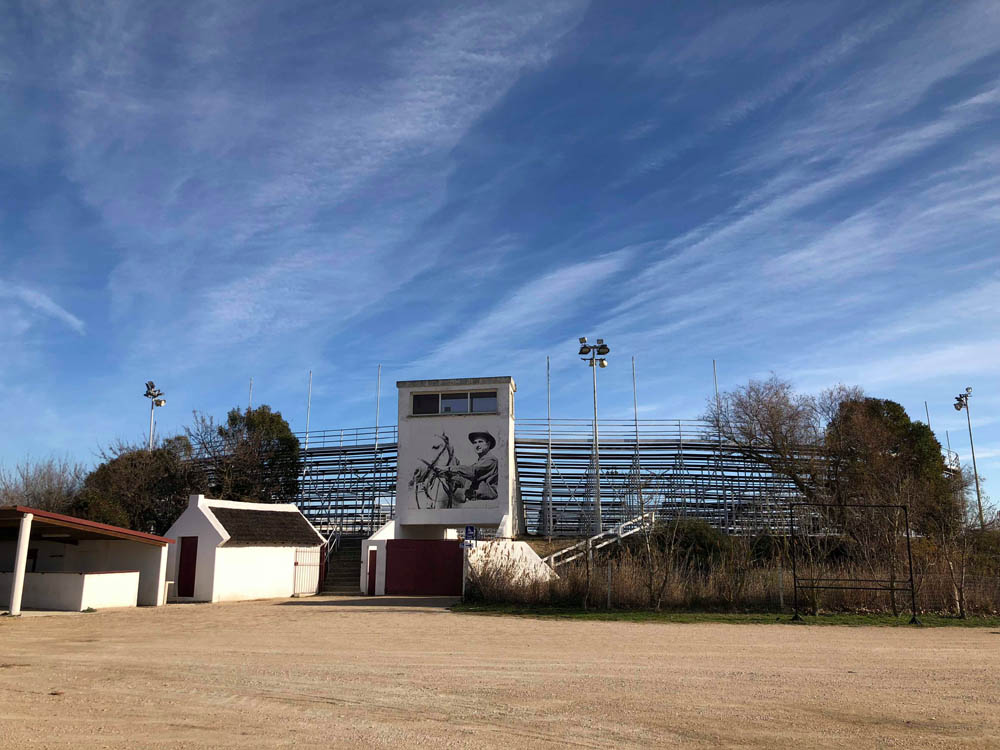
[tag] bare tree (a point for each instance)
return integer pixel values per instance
(955, 539)
(48, 484)
(768, 422)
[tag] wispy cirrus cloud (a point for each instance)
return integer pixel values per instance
(532, 309)
(287, 202)
(40, 303)
(250, 188)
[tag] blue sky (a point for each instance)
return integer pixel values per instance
(198, 193)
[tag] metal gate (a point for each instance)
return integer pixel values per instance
(307, 563)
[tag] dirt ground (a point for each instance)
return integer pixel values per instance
(349, 672)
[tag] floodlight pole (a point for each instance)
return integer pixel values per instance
(975, 471)
(962, 402)
(153, 394)
(597, 455)
(595, 359)
(152, 406)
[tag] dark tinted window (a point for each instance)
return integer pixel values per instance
(454, 403)
(425, 403)
(484, 402)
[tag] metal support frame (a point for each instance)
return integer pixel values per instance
(813, 584)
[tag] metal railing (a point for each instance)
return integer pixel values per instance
(348, 437)
(613, 430)
(598, 541)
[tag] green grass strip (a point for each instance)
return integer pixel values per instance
(756, 618)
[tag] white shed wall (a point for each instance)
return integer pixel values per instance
(74, 592)
(58, 591)
(100, 556)
(253, 573)
(117, 555)
(194, 522)
(102, 590)
(233, 573)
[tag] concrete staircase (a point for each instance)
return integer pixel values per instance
(343, 570)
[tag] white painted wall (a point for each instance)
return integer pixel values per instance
(194, 521)
(243, 573)
(379, 546)
(103, 590)
(391, 530)
(74, 592)
(237, 573)
(58, 591)
(98, 556)
(114, 555)
(517, 558)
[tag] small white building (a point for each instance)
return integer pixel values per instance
(233, 551)
(52, 561)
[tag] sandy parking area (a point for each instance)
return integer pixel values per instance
(343, 672)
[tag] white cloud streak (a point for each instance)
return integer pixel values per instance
(532, 309)
(41, 303)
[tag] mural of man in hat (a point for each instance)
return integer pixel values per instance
(483, 475)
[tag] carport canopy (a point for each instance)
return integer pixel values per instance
(21, 523)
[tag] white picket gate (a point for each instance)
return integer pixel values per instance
(306, 572)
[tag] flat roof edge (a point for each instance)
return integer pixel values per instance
(500, 380)
(83, 523)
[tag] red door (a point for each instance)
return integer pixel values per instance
(428, 567)
(322, 569)
(372, 568)
(186, 565)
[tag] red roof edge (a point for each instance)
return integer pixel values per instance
(85, 524)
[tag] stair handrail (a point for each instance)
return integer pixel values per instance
(611, 536)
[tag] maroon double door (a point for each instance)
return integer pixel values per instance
(423, 567)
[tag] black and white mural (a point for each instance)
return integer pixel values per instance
(457, 471)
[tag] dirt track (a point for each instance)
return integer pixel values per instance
(340, 672)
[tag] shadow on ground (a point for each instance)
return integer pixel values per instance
(426, 602)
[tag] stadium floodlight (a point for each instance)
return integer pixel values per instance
(154, 395)
(962, 402)
(595, 360)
